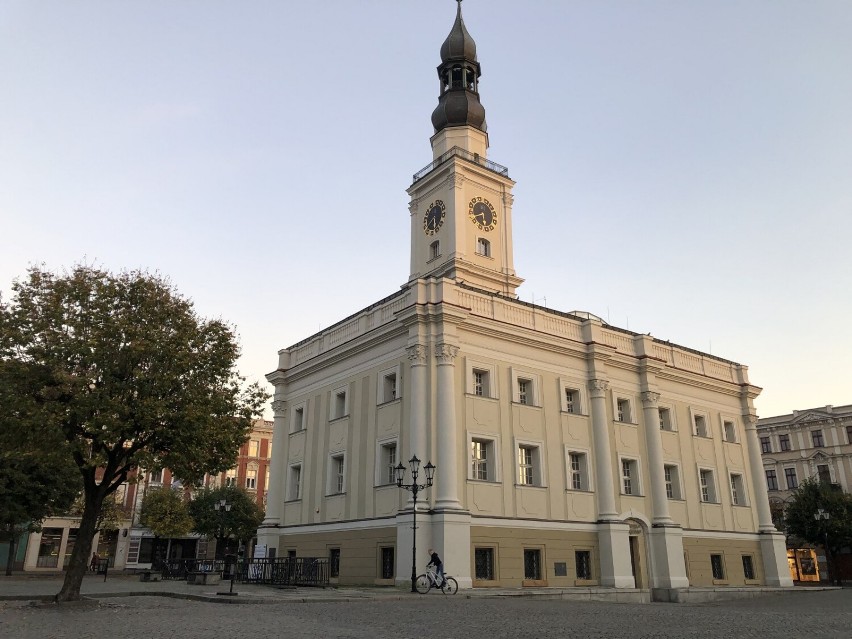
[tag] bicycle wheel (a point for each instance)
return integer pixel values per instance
(422, 584)
(451, 586)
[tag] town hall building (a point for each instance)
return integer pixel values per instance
(569, 452)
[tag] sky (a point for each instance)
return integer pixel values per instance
(683, 167)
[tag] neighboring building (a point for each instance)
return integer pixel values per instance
(816, 442)
(132, 546)
(569, 452)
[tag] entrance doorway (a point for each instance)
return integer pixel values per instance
(638, 556)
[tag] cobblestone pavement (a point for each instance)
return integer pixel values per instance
(821, 615)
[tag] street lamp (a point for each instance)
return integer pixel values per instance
(223, 508)
(820, 514)
(414, 487)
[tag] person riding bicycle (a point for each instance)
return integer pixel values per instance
(435, 560)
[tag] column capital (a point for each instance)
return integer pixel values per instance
(750, 420)
(649, 399)
(412, 206)
(598, 387)
(416, 354)
(279, 408)
(446, 353)
(455, 180)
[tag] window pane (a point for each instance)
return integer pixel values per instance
(484, 563)
(532, 564)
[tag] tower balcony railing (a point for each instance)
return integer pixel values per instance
(457, 151)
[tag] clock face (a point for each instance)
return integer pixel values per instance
(434, 217)
(482, 213)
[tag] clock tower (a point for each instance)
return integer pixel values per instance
(461, 203)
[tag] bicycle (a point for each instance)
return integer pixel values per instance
(428, 580)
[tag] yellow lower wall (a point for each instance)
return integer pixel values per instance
(697, 552)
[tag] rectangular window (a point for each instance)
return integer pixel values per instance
(579, 471)
(524, 387)
(572, 401)
(816, 437)
(389, 387)
(389, 463)
(340, 404)
(251, 479)
(748, 568)
(298, 419)
(708, 486)
(765, 445)
(155, 476)
(483, 559)
(338, 466)
(730, 431)
(388, 568)
(334, 562)
(480, 454)
(253, 448)
(231, 477)
(717, 566)
(738, 495)
(434, 249)
(483, 247)
(294, 482)
(630, 477)
(784, 442)
(700, 426)
(665, 419)
(526, 473)
(824, 473)
(849, 434)
(672, 479)
(532, 564)
(583, 562)
(771, 480)
(480, 383)
(792, 480)
(623, 410)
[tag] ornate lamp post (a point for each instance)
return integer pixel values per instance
(414, 488)
(820, 514)
(223, 508)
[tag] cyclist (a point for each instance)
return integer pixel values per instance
(435, 560)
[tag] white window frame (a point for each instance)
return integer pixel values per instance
(251, 478)
(335, 478)
(472, 366)
(434, 250)
(533, 394)
(577, 387)
(739, 494)
(586, 474)
(335, 410)
(711, 488)
(382, 389)
(724, 419)
(383, 476)
(694, 416)
(231, 477)
(621, 395)
(538, 470)
(256, 444)
(297, 426)
(294, 474)
(483, 247)
(636, 483)
(492, 463)
(675, 482)
(670, 412)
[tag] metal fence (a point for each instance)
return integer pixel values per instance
(179, 568)
(285, 571)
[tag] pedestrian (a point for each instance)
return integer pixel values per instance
(435, 560)
(93, 564)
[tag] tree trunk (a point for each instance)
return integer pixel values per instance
(79, 564)
(11, 557)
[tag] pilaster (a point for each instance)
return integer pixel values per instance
(446, 479)
(603, 454)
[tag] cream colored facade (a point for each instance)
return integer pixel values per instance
(816, 442)
(568, 452)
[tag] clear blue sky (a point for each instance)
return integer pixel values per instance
(683, 168)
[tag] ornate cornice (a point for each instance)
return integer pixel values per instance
(416, 354)
(446, 353)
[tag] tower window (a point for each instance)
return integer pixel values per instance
(434, 249)
(483, 247)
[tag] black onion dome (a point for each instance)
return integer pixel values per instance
(459, 44)
(459, 71)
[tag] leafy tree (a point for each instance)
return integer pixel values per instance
(122, 370)
(32, 487)
(110, 518)
(239, 523)
(165, 513)
(832, 533)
